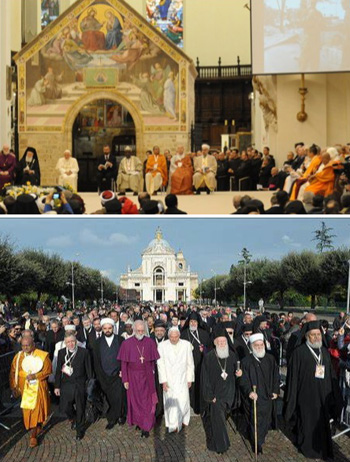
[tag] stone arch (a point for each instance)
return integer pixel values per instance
(113, 95)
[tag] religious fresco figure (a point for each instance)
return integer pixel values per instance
(37, 95)
(114, 31)
(53, 89)
(92, 36)
(170, 96)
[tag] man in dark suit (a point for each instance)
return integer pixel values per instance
(107, 169)
(241, 342)
(73, 370)
(171, 203)
(54, 335)
(300, 157)
(278, 202)
(96, 333)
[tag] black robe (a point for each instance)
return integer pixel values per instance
(22, 176)
(195, 393)
(111, 384)
(241, 348)
(73, 387)
(264, 374)
(214, 386)
(312, 401)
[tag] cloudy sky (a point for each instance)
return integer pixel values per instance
(209, 244)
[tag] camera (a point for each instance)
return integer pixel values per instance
(56, 196)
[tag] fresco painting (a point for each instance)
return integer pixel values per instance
(101, 47)
(167, 16)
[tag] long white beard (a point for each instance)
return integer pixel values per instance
(258, 354)
(139, 337)
(222, 353)
(315, 344)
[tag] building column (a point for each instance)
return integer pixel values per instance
(5, 60)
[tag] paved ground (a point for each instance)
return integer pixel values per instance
(125, 445)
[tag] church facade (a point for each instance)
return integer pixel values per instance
(102, 50)
(163, 276)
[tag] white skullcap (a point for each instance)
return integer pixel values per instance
(130, 322)
(107, 321)
(70, 327)
(255, 337)
(173, 329)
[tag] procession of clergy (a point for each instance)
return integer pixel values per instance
(214, 367)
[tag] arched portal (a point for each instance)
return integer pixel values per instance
(101, 117)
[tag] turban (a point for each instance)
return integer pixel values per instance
(255, 337)
(70, 327)
(107, 321)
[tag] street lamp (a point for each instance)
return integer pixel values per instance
(215, 284)
(348, 300)
(72, 283)
(101, 289)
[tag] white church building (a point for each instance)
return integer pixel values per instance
(163, 276)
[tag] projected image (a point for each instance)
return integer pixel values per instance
(303, 35)
(167, 16)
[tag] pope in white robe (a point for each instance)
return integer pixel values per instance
(68, 169)
(176, 374)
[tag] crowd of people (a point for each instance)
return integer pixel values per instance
(310, 180)
(137, 363)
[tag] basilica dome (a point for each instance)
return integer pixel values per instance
(158, 245)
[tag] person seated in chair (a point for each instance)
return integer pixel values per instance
(107, 169)
(222, 175)
(205, 168)
(130, 173)
(68, 168)
(28, 169)
(156, 172)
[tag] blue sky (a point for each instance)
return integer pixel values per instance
(111, 244)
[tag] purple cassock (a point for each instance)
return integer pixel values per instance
(138, 359)
(7, 164)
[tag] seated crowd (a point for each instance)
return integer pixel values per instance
(311, 180)
(225, 359)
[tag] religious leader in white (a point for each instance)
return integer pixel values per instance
(68, 169)
(176, 374)
(205, 168)
(129, 173)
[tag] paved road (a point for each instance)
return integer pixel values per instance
(125, 445)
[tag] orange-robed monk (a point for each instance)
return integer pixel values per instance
(323, 182)
(30, 370)
(156, 171)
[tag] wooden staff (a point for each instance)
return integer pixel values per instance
(255, 427)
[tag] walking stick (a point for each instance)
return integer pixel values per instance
(255, 428)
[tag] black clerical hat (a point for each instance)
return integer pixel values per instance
(219, 331)
(159, 323)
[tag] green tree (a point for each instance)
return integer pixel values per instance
(303, 272)
(324, 238)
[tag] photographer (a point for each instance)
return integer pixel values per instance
(55, 195)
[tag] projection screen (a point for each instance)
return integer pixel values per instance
(300, 36)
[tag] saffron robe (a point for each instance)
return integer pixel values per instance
(181, 174)
(38, 415)
(323, 182)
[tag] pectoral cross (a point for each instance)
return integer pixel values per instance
(142, 359)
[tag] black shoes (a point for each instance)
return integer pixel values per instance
(121, 421)
(197, 192)
(109, 426)
(144, 434)
(73, 424)
(79, 436)
(135, 194)
(121, 193)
